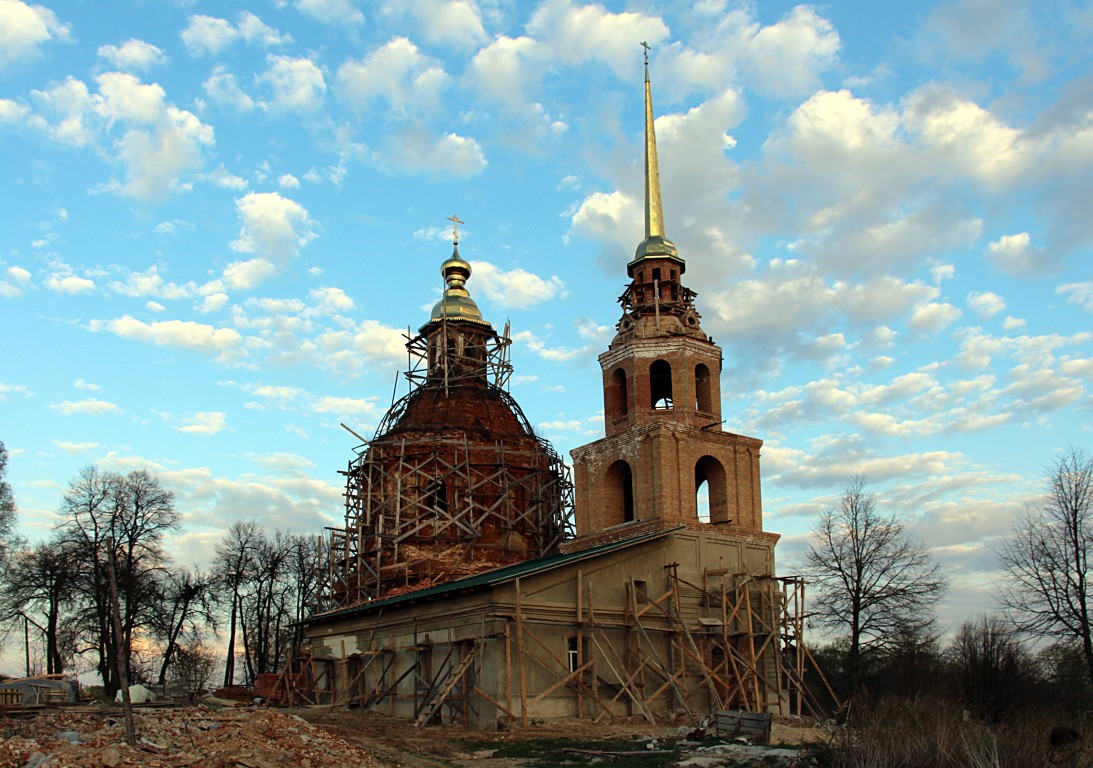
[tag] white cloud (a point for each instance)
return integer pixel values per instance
(74, 448)
(396, 73)
(81, 384)
(787, 57)
(64, 281)
(1078, 293)
(961, 134)
(1014, 255)
(243, 276)
(332, 12)
(155, 143)
(254, 30)
(451, 154)
(24, 28)
(297, 84)
(933, 316)
(516, 288)
(89, 406)
(223, 89)
(205, 423)
(575, 34)
(133, 54)
(331, 301)
(275, 227)
(986, 304)
(454, 22)
(16, 280)
(553, 354)
(208, 35)
(150, 283)
(211, 35)
(506, 69)
(288, 181)
(175, 333)
(345, 406)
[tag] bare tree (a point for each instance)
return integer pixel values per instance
(116, 526)
(232, 567)
(993, 669)
(9, 541)
(1047, 557)
(873, 581)
(186, 612)
(40, 590)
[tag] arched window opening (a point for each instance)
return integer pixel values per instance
(618, 402)
(703, 396)
(618, 381)
(618, 494)
(660, 385)
(711, 493)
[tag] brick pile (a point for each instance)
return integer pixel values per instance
(174, 738)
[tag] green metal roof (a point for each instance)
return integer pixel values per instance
(488, 578)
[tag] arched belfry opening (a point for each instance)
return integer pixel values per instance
(660, 385)
(621, 405)
(619, 494)
(703, 389)
(711, 491)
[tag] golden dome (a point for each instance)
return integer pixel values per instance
(456, 304)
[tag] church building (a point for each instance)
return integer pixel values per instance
(458, 591)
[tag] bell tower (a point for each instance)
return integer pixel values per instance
(664, 446)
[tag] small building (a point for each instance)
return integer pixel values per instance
(647, 609)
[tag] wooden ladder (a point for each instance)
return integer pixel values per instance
(438, 700)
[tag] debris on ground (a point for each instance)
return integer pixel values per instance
(192, 737)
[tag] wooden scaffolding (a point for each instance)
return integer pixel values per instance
(732, 642)
(427, 503)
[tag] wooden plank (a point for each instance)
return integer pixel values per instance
(520, 655)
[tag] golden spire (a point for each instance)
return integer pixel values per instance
(655, 243)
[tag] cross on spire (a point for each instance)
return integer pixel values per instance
(456, 221)
(645, 45)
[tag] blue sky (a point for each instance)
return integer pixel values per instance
(220, 219)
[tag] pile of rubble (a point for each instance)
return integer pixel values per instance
(197, 737)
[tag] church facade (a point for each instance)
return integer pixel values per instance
(645, 609)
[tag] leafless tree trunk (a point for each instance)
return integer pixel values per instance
(872, 580)
(1048, 558)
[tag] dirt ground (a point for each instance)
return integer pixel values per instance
(320, 737)
(399, 745)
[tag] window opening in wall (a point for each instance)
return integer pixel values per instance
(573, 657)
(703, 394)
(438, 496)
(660, 385)
(621, 402)
(673, 274)
(641, 591)
(702, 500)
(711, 491)
(619, 494)
(656, 273)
